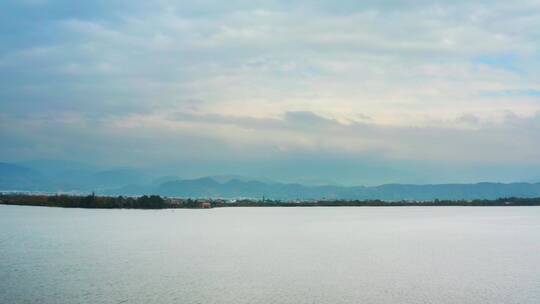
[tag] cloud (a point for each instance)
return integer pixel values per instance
(514, 93)
(468, 119)
(430, 80)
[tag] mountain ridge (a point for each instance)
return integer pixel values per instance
(207, 187)
(14, 177)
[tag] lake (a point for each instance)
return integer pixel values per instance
(270, 255)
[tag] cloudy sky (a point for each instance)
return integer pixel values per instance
(311, 91)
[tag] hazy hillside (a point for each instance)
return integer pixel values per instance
(57, 175)
(208, 187)
(14, 177)
(65, 176)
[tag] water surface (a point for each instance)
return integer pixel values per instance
(270, 255)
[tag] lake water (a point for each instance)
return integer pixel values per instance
(270, 255)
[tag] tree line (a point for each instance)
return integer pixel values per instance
(158, 202)
(89, 201)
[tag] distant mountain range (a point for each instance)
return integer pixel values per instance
(63, 177)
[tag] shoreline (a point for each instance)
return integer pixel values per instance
(157, 202)
(264, 207)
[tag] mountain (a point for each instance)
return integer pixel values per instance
(454, 191)
(58, 168)
(59, 176)
(15, 177)
(63, 175)
(209, 187)
(229, 177)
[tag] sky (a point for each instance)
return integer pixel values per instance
(355, 92)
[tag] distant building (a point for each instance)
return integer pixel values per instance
(206, 205)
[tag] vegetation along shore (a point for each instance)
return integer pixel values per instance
(158, 202)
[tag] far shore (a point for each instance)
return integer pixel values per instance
(158, 202)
